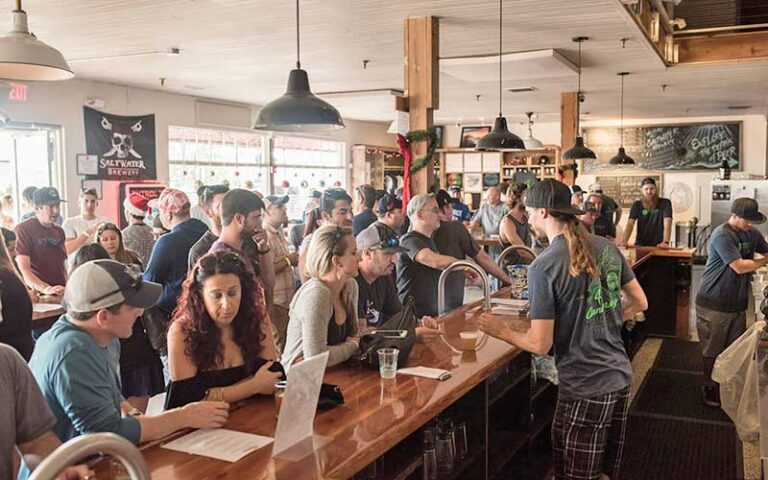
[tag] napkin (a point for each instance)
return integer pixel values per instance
(426, 372)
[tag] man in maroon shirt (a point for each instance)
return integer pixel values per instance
(41, 247)
(241, 212)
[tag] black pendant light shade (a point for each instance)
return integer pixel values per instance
(622, 158)
(298, 109)
(500, 137)
(578, 151)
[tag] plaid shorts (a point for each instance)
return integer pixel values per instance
(588, 436)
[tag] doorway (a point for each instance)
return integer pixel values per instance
(28, 156)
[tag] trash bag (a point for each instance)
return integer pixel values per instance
(735, 371)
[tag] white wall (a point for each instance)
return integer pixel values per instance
(60, 104)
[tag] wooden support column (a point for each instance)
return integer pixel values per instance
(569, 114)
(421, 43)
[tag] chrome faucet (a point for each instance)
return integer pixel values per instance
(509, 250)
(454, 266)
(91, 444)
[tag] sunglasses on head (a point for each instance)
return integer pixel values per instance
(227, 259)
(391, 242)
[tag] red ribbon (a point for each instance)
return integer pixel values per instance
(405, 150)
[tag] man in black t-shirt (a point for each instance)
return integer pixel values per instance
(653, 216)
(453, 239)
(377, 296)
(419, 267)
(723, 295)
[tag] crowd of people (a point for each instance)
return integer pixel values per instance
(214, 302)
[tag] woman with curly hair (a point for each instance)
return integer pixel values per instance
(220, 338)
(111, 238)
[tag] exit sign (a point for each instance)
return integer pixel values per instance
(18, 92)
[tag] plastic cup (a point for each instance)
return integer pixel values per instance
(468, 340)
(388, 362)
(279, 394)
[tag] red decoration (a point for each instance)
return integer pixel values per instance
(285, 184)
(405, 150)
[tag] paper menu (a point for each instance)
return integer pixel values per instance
(426, 372)
(45, 307)
(218, 443)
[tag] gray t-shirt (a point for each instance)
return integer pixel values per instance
(490, 217)
(24, 415)
(589, 353)
(721, 288)
(415, 279)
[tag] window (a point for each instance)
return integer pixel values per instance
(199, 156)
(302, 165)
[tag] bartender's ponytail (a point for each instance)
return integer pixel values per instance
(579, 250)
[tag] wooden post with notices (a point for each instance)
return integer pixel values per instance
(422, 88)
(569, 114)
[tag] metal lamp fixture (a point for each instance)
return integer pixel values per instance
(579, 151)
(531, 143)
(24, 57)
(622, 158)
(298, 110)
(500, 136)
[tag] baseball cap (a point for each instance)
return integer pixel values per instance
(47, 196)
(747, 209)
(454, 188)
(552, 195)
(171, 200)
(647, 181)
(373, 239)
(270, 200)
(105, 283)
(316, 194)
(387, 203)
(576, 189)
(443, 198)
(595, 188)
(210, 191)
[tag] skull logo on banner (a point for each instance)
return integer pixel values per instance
(122, 139)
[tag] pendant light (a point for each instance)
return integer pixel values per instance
(531, 143)
(298, 110)
(579, 151)
(24, 57)
(622, 158)
(500, 136)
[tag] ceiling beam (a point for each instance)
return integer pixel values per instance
(722, 48)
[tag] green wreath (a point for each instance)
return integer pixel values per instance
(429, 136)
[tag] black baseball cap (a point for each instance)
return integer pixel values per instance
(387, 203)
(47, 196)
(576, 189)
(747, 209)
(270, 200)
(210, 191)
(443, 198)
(552, 195)
(647, 181)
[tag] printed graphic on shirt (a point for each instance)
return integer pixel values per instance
(604, 291)
(371, 314)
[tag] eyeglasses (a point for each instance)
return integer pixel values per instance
(431, 210)
(133, 272)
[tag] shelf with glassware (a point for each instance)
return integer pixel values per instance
(475, 170)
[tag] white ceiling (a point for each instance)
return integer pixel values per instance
(242, 50)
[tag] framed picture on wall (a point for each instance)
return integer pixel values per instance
(473, 182)
(470, 135)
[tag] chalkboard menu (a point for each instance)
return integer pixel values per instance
(669, 147)
(625, 189)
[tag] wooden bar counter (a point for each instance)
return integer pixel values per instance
(378, 415)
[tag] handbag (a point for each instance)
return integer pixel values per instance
(370, 343)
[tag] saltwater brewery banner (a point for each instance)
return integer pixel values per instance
(124, 146)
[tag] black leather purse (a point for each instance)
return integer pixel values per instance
(370, 343)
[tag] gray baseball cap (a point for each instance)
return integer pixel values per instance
(102, 284)
(372, 238)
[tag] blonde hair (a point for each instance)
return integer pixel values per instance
(327, 242)
(579, 250)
